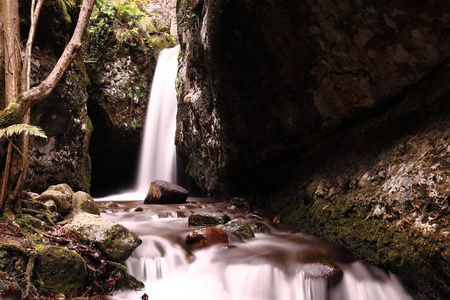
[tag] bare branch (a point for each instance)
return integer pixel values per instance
(36, 94)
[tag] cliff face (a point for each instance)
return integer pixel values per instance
(333, 114)
(267, 80)
(63, 116)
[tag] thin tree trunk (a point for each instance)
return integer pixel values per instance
(2, 61)
(11, 39)
(26, 69)
(10, 14)
(14, 112)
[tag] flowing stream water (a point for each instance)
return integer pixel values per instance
(270, 266)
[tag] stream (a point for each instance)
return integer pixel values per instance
(268, 266)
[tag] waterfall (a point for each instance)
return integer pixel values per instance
(157, 157)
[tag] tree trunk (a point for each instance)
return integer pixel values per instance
(10, 14)
(17, 105)
(15, 110)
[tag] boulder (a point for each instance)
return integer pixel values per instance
(114, 240)
(164, 192)
(208, 219)
(62, 187)
(206, 237)
(60, 270)
(83, 202)
(62, 200)
(315, 265)
(240, 228)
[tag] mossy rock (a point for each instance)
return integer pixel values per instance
(240, 228)
(114, 240)
(60, 270)
(83, 202)
(62, 187)
(208, 219)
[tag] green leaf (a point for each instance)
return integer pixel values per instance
(19, 128)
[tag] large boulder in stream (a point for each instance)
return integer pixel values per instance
(60, 270)
(206, 237)
(113, 239)
(208, 219)
(164, 192)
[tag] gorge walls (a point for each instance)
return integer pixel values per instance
(335, 115)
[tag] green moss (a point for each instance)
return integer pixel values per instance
(404, 250)
(60, 270)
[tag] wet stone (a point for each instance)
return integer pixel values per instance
(164, 192)
(208, 219)
(206, 237)
(315, 265)
(240, 228)
(239, 203)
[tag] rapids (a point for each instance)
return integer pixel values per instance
(265, 267)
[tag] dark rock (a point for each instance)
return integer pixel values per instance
(206, 237)
(317, 266)
(208, 219)
(163, 192)
(239, 203)
(260, 227)
(240, 228)
(60, 270)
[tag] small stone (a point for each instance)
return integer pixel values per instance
(51, 205)
(315, 265)
(61, 200)
(111, 205)
(62, 187)
(206, 237)
(83, 202)
(164, 192)
(239, 203)
(208, 219)
(138, 209)
(240, 228)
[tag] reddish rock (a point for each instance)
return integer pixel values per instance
(163, 192)
(206, 237)
(316, 265)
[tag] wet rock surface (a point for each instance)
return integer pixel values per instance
(238, 227)
(206, 237)
(164, 192)
(208, 219)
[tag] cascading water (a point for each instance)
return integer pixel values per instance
(270, 266)
(267, 267)
(157, 157)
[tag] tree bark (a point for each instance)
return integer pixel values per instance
(10, 15)
(2, 61)
(25, 85)
(17, 109)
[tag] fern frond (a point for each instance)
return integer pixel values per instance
(19, 128)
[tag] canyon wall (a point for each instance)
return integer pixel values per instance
(334, 115)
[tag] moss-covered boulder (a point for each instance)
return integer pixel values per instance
(62, 200)
(60, 270)
(62, 187)
(114, 240)
(83, 202)
(208, 219)
(240, 228)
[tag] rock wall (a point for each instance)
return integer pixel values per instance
(63, 116)
(333, 114)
